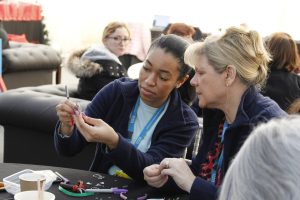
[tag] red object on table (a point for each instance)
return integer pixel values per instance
(20, 11)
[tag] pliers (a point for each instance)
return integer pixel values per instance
(79, 187)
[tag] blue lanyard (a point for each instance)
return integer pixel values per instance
(149, 124)
(218, 162)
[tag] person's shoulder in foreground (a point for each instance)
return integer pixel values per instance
(267, 166)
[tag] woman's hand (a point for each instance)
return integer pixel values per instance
(153, 176)
(178, 169)
(96, 130)
(64, 111)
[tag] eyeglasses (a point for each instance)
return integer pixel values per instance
(120, 39)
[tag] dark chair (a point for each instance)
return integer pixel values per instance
(192, 150)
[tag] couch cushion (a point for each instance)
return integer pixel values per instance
(30, 57)
(17, 38)
(53, 89)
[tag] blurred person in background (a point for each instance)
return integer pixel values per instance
(138, 47)
(283, 84)
(182, 30)
(99, 65)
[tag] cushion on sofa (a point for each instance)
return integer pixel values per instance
(17, 38)
(24, 57)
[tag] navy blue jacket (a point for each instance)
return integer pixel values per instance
(113, 104)
(253, 109)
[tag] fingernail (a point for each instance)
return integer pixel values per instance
(77, 112)
(77, 107)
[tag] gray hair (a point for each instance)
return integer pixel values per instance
(239, 47)
(267, 166)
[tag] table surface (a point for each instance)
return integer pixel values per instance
(135, 190)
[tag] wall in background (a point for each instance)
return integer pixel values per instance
(74, 24)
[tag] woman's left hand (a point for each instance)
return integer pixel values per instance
(181, 173)
(96, 130)
(153, 176)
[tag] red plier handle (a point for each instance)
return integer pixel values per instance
(75, 188)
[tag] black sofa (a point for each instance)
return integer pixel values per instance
(28, 116)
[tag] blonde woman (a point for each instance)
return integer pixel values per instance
(230, 69)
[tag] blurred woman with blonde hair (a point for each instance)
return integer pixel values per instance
(99, 64)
